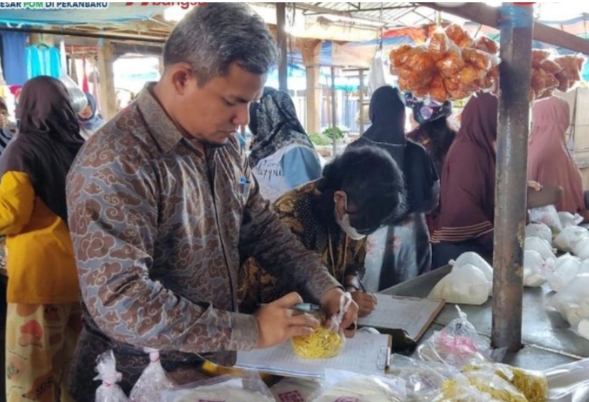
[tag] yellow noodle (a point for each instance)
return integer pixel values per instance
(322, 344)
(532, 385)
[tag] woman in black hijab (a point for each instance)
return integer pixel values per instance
(407, 250)
(44, 315)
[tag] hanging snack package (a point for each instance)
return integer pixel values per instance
(458, 345)
(439, 44)
(153, 380)
(324, 343)
(539, 56)
(459, 36)
(477, 58)
(398, 58)
(533, 385)
(451, 63)
(437, 90)
(341, 385)
(109, 390)
(486, 45)
(551, 66)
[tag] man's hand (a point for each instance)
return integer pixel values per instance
(331, 304)
(365, 301)
(534, 185)
(278, 323)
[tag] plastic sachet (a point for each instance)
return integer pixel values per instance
(572, 302)
(539, 230)
(541, 246)
(568, 219)
(342, 385)
(581, 249)
(479, 386)
(536, 269)
(458, 345)
(153, 379)
(565, 270)
(466, 284)
(473, 258)
(548, 216)
(568, 238)
(220, 389)
(109, 390)
(292, 389)
(324, 342)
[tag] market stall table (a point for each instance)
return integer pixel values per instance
(547, 340)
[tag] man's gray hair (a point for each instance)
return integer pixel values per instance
(213, 36)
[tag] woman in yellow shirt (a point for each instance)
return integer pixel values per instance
(44, 315)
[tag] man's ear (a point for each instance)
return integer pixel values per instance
(180, 75)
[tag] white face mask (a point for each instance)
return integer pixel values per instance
(344, 224)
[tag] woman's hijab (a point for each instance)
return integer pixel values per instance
(93, 122)
(387, 114)
(549, 160)
(48, 140)
(467, 199)
(274, 125)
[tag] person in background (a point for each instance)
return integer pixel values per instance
(282, 155)
(162, 204)
(549, 160)
(44, 314)
(7, 129)
(89, 119)
(400, 251)
(358, 193)
(434, 132)
(467, 202)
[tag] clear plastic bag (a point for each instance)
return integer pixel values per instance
(325, 342)
(581, 249)
(568, 238)
(479, 386)
(546, 215)
(108, 391)
(458, 345)
(569, 382)
(541, 246)
(459, 36)
(536, 269)
(486, 45)
(346, 386)
(439, 44)
(568, 219)
(153, 380)
(572, 302)
(539, 230)
(466, 284)
(474, 259)
(295, 389)
(566, 268)
(221, 389)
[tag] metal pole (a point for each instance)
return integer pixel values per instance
(333, 112)
(511, 183)
(281, 39)
(361, 100)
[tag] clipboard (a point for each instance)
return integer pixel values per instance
(411, 314)
(366, 353)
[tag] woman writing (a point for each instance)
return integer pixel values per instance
(358, 193)
(44, 315)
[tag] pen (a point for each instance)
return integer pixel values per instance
(306, 307)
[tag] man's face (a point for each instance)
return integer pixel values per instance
(213, 113)
(3, 118)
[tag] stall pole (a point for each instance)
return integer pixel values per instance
(333, 112)
(511, 184)
(281, 39)
(361, 100)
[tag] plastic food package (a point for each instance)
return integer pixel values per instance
(539, 56)
(398, 58)
(423, 380)
(324, 343)
(439, 44)
(572, 302)
(533, 385)
(565, 269)
(536, 269)
(459, 36)
(541, 246)
(474, 259)
(477, 58)
(568, 219)
(220, 389)
(458, 345)
(569, 237)
(437, 89)
(294, 389)
(572, 66)
(551, 66)
(486, 45)
(581, 249)
(153, 380)
(483, 386)
(583, 328)
(109, 391)
(539, 230)
(450, 64)
(345, 386)
(546, 215)
(466, 284)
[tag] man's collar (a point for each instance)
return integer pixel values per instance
(162, 128)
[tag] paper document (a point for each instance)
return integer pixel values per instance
(364, 354)
(413, 315)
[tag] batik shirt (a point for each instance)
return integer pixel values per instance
(158, 227)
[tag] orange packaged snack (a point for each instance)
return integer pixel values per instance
(459, 36)
(538, 81)
(477, 58)
(564, 83)
(437, 89)
(469, 76)
(551, 66)
(539, 56)
(571, 66)
(450, 65)
(398, 57)
(439, 45)
(486, 45)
